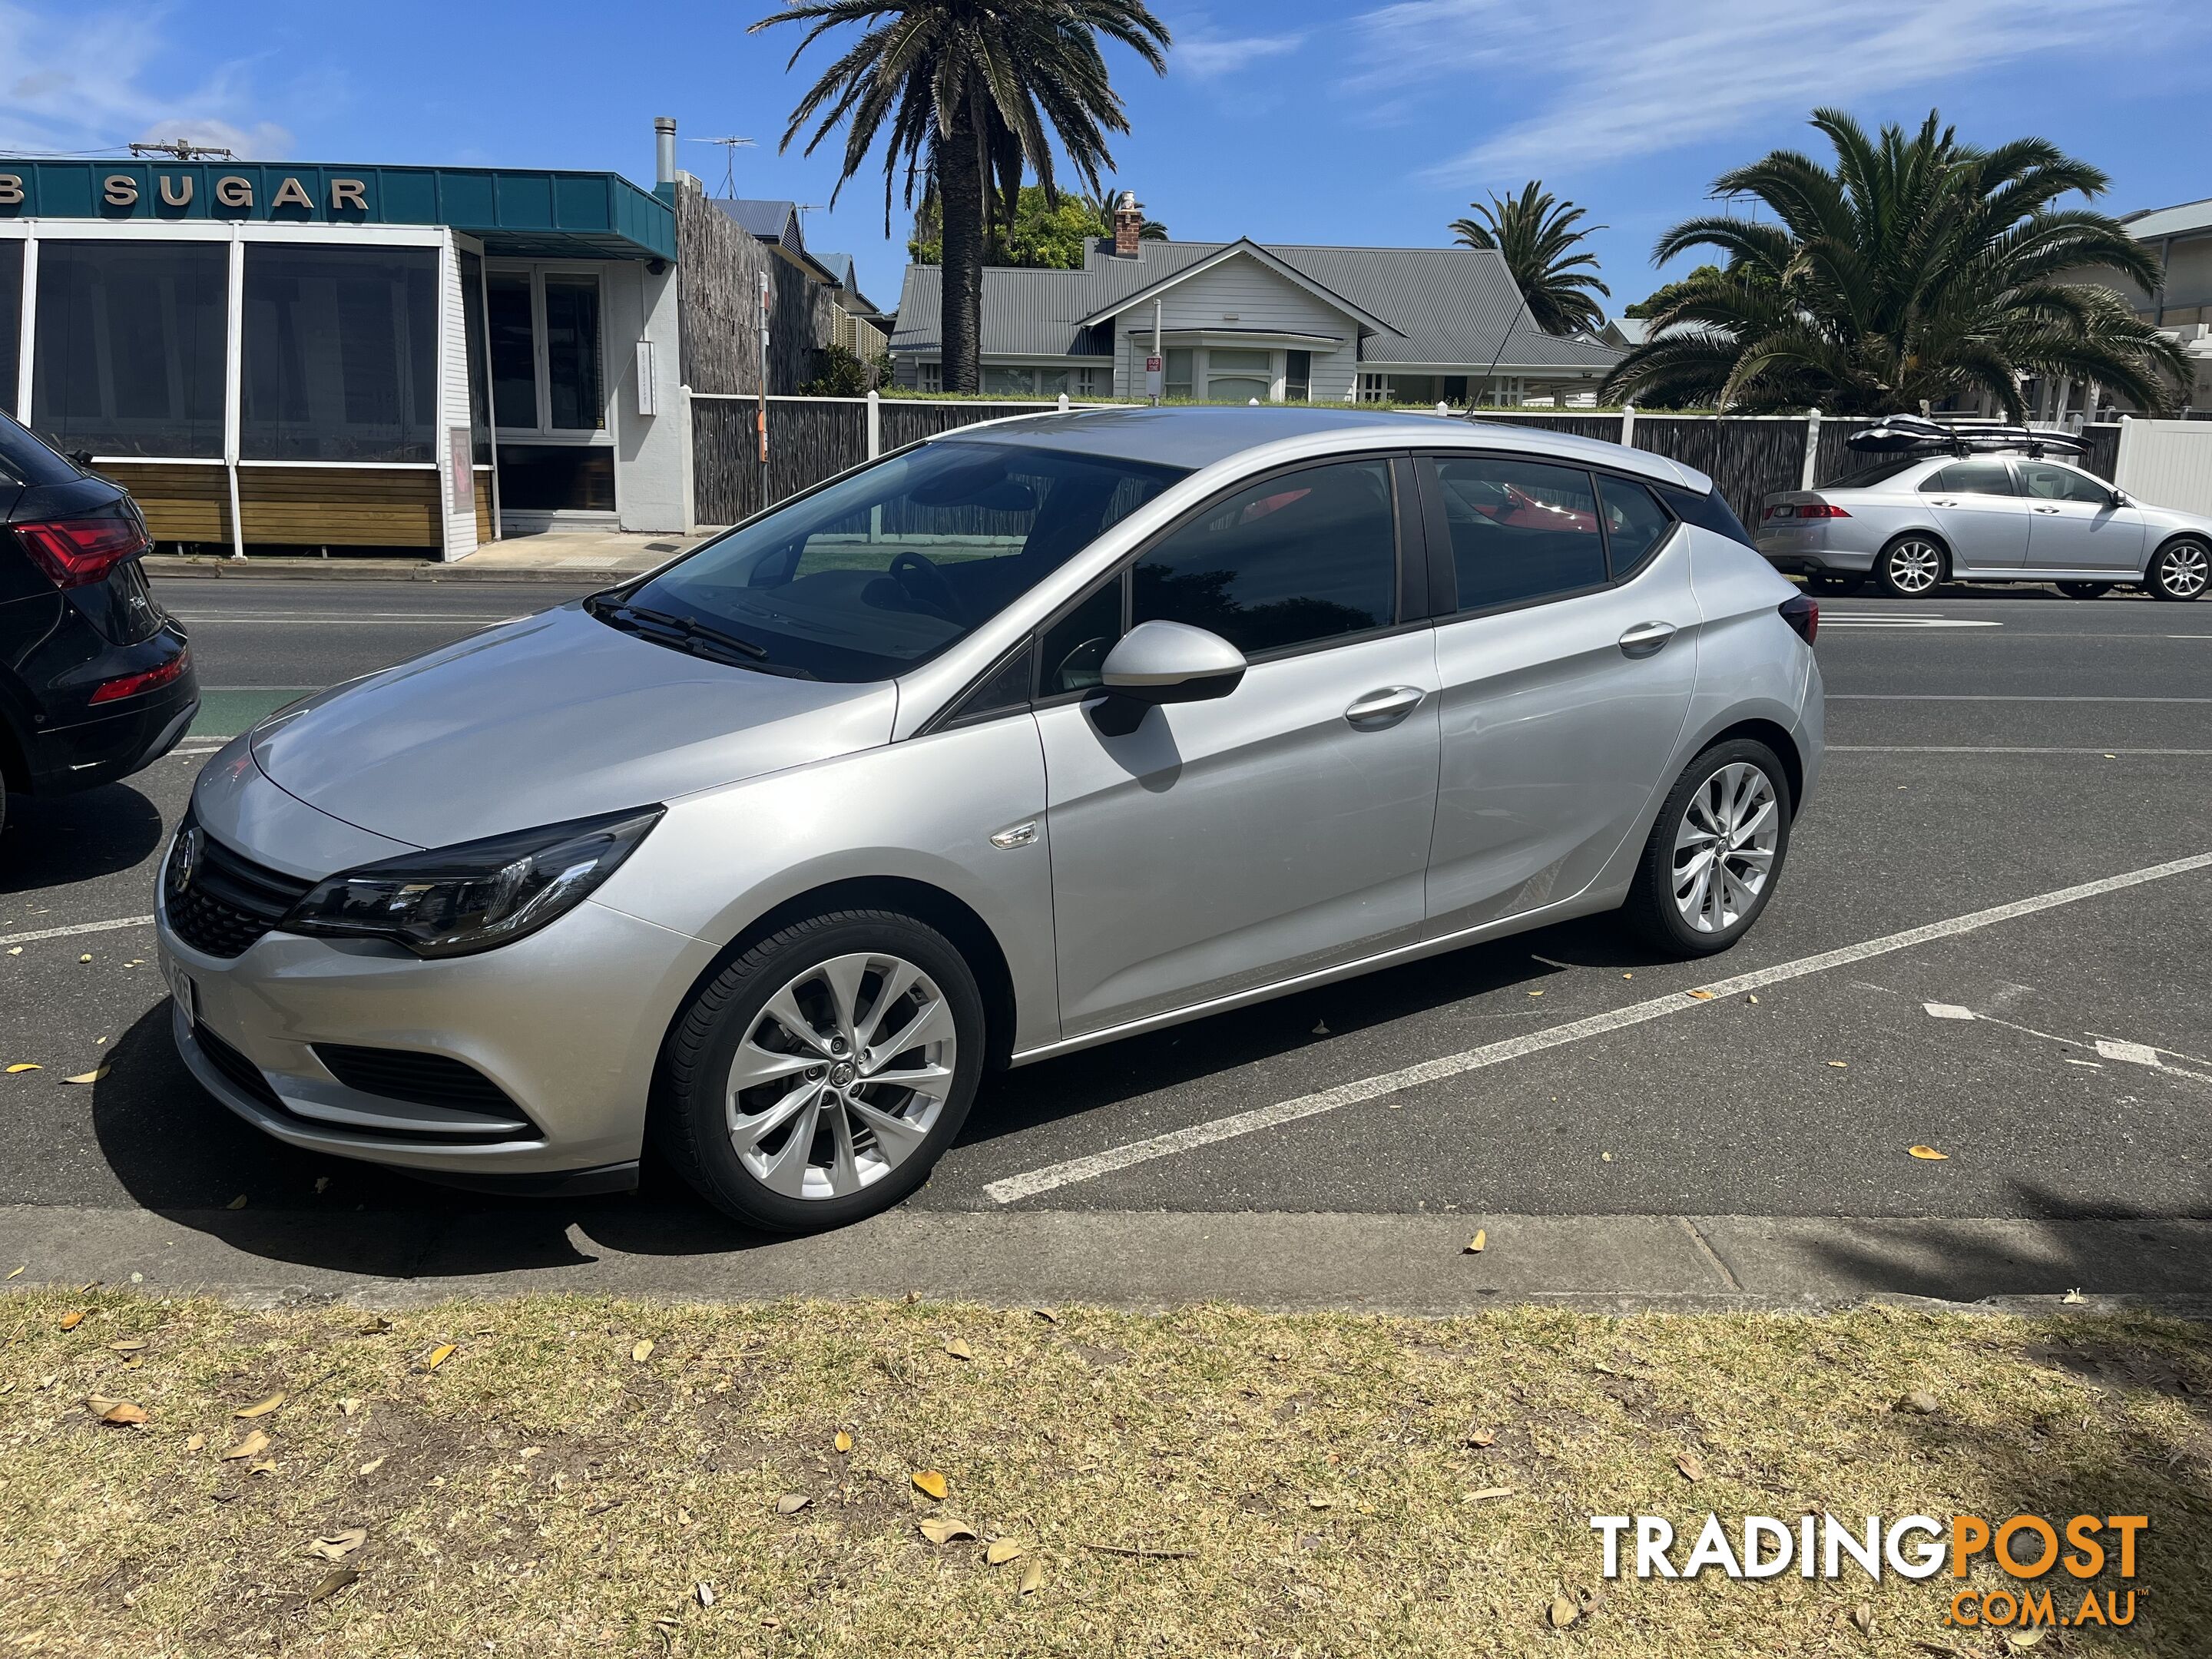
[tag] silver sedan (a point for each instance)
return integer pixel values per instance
(1912, 523)
(1028, 737)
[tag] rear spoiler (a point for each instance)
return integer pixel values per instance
(1905, 434)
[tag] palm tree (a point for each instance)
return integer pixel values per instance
(963, 92)
(1535, 232)
(1918, 269)
(1102, 202)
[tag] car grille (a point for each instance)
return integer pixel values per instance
(231, 901)
(236, 1067)
(421, 1079)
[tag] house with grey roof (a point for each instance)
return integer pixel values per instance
(1277, 322)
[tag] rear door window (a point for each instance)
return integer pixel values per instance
(1519, 530)
(1635, 524)
(1989, 478)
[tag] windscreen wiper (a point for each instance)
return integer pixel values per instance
(692, 630)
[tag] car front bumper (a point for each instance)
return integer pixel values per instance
(567, 1023)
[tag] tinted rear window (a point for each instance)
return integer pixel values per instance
(1866, 476)
(25, 460)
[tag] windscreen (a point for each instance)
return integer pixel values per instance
(880, 571)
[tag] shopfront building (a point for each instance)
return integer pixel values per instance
(290, 358)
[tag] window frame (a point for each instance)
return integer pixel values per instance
(2011, 472)
(1443, 577)
(545, 433)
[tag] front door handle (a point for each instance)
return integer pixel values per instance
(1385, 707)
(2046, 509)
(1646, 638)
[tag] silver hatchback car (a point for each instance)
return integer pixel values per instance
(1027, 737)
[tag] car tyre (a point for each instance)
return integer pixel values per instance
(2180, 570)
(1911, 566)
(1735, 795)
(803, 1023)
(2086, 590)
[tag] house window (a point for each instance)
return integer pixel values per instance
(1374, 388)
(340, 355)
(1239, 376)
(931, 376)
(128, 348)
(1175, 382)
(1297, 376)
(547, 369)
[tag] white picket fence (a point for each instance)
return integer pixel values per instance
(2166, 463)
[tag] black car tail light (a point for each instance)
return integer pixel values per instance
(130, 685)
(73, 552)
(1803, 615)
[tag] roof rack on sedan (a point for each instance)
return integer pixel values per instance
(1892, 433)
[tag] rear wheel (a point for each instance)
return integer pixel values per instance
(1715, 851)
(2086, 590)
(819, 1077)
(1910, 566)
(2180, 570)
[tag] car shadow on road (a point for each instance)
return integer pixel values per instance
(54, 843)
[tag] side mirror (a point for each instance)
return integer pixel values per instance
(1163, 662)
(2120, 499)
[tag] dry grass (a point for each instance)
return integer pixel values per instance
(542, 1492)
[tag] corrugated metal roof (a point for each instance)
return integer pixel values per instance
(2152, 224)
(772, 222)
(1446, 306)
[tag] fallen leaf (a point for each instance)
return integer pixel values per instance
(1000, 1551)
(1483, 1437)
(1489, 1492)
(23, 1065)
(349, 1406)
(2026, 1638)
(932, 1482)
(1703, 996)
(238, 1203)
(254, 1442)
(322, 1183)
(87, 957)
(372, 1466)
(1918, 1400)
(262, 1409)
(643, 1350)
(842, 1442)
(1692, 1468)
(332, 1584)
(1536, 993)
(93, 1076)
(1046, 1314)
(703, 1593)
(2074, 1295)
(959, 1350)
(1033, 1576)
(337, 1546)
(267, 1466)
(18, 1273)
(1563, 1611)
(116, 1411)
(1476, 1245)
(1863, 1616)
(944, 1529)
(195, 1442)
(792, 1502)
(1318, 1502)
(72, 1319)
(438, 1356)
(376, 1327)
(1929, 1154)
(128, 1344)
(1841, 1065)
(1751, 999)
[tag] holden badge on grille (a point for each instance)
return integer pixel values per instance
(185, 862)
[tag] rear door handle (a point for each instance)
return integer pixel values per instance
(1646, 638)
(1385, 707)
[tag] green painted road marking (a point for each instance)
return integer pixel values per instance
(226, 714)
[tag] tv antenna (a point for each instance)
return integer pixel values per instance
(183, 151)
(730, 149)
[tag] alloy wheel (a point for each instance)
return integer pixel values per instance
(1913, 568)
(841, 1077)
(2183, 570)
(1724, 847)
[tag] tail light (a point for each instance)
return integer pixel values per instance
(153, 679)
(1806, 510)
(75, 551)
(1803, 615)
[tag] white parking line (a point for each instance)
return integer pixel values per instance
(1827, 622)
(81, 927)
(1914, 696)
(1990, 749)
(1034, 1182)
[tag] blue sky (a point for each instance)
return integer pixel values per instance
(1288, 121)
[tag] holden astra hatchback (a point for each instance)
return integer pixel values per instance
(1035, 735)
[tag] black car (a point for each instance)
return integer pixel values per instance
(96, 679)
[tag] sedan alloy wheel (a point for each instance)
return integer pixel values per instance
(2181, 571)
(1910, 566)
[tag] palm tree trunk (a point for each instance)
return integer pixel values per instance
(960, 192)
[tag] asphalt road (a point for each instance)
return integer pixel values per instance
(1987, 747)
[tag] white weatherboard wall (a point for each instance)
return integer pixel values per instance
(2166, 463)
(460, 517)
(652, 451)
(1258, 299)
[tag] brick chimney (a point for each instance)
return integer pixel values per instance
(1129, 225)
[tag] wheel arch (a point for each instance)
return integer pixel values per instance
(1922, 532)
(1777, 739)
(2159, 552)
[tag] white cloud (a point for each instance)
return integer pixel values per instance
(1624, 78)
(89, 81)
(1208, 55)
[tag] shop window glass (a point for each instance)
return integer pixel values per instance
(128, 358)
(557, 478)
(472, 324)
(571, 353)
(514, 349)
(11, 320)
(341, 355)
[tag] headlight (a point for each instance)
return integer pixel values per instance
(456, 900)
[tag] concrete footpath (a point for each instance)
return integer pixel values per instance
(575, 556)
(1414, 1265)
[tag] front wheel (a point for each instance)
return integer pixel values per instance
(817, 1078)
(1910, 567)
(1715, 851)
(2085, 590)
(2180, 570)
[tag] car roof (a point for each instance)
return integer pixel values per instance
(1199, 435)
